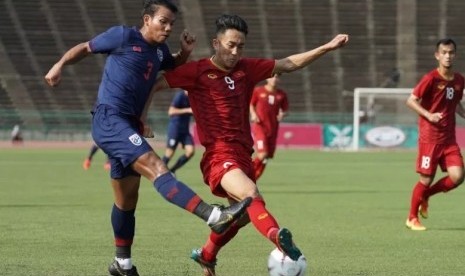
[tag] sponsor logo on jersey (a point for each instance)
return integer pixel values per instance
(160, 54)
(135, 139)
(441, 86)
(385, 136)
(262, 95)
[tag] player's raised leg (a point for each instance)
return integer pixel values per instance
(447, 183)
(176, 192)
(260, 217)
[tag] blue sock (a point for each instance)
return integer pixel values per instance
(176, 192)
(180, 162)
(165, 160)
(124, 223)
(92, 152)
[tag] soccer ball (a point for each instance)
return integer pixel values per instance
(280, 265)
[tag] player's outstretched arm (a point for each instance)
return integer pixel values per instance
(72, 56)
(298, 61)
(187, 46)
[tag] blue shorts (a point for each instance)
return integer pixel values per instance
(118, 136)
(175, 137)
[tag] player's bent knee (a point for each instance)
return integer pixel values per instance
(243, 194)
(426, 180)
(457, 176)
(459, 180)
(252, 193)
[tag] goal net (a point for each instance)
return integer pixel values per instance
(382, 119)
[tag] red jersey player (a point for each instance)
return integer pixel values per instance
(267, 108)
(436, 99)
(220, 89)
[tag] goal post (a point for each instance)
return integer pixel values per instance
(383, 116)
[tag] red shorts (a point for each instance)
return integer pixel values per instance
(217, 160)
(432, 155)
(263, 142)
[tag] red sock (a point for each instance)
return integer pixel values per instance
(263, 221)
(259, 167)
(260, 170)
(418, 194)
(216, 241)
(256, 166)
(444, 184)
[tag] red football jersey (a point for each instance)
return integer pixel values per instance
(267, 105)
(439, 95)
(219, 99)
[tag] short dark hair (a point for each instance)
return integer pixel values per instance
(150, 7)
(226, 21)
(446, 41)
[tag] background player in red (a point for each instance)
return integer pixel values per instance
(268, 106)
(436, 99)
(220, 89)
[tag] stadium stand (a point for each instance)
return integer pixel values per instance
(34, 34)
(8, 114)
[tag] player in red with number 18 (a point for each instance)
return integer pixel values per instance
(436, 99)
(268, 106)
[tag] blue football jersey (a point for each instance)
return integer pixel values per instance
(130, 69)
(180, 122)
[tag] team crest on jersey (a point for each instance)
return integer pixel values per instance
(135, 139)
(239, 74)
(137, 49)
(160, 54)
(212, 76)
(457, 88)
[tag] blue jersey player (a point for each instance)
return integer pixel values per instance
(134, 57)
(180, 113)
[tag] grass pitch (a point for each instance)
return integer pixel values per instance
(346, 212)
